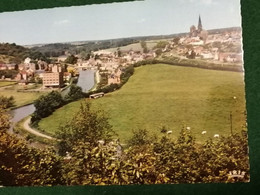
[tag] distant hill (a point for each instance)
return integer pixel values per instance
(12, 53)
(76, 47)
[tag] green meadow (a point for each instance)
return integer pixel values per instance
(6, 83)
(20, 97)
(171, 96)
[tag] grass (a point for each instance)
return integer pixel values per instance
(21, 97)
(6, 83)
(134, 47)
(173, 96)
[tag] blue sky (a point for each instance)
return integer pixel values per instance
(116, 20)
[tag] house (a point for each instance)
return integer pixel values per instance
(8, 66)
(230, 57)
(207, 55)
(27, 60)
(115, 77)
(62, 58)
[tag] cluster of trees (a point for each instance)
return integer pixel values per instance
(144, 46)
(75, 93)
(45, 105)
(71, 59)
(8, 73)
(7, 102)
(89, 155)
(191, 55)
(190, 63)
(84, 48)
(19, 53)
(161, 45)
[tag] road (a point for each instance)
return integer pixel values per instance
(31, 130)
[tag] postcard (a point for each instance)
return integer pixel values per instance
(143, 92)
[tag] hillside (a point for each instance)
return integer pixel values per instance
(12, 53)
(173, 96)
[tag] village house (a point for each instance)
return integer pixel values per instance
(115, 77)
(230, 57)
(62, 58)
(8, 66)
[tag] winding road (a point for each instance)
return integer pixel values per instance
(33, 131)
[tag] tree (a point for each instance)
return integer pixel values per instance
(141, 137)
(87, 125)
(75, 93)
(176, 40)
(158, 52)
(144, 46)
(71, 59)
(161, 45)
(119, 52)
(46, 105)
(4, 119)
(71, 70)
(21, 165)
(6, 102)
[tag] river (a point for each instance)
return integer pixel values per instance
(86, 81)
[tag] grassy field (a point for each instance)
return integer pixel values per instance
(6, 83)
(21, 98)
(134, 47)
(173, 96)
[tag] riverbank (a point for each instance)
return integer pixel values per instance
(97, 80)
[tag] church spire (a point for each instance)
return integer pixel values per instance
(199, 25)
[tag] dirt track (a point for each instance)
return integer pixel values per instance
(31, 130)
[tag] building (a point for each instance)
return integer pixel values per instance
(54, 78)
(199, 32)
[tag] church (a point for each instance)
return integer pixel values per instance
(199, 31)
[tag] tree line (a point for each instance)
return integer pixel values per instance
(19, 53)
(90, 154)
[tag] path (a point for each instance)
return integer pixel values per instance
(29, 129)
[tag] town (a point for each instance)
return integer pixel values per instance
(218, 47)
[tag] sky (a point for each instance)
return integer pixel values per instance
(116, 20)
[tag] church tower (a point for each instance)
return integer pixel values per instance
(199, 25)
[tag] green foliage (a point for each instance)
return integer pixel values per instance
(161, 45)
(46, 105)
(19, 53)
(4, 119)
(6, 102)
(71, 59)
(75, 93)
(158, 51)
(140, 137)
(144, 46)
(21, 165)
(95, 165)
(8, 73)
(87, 125)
